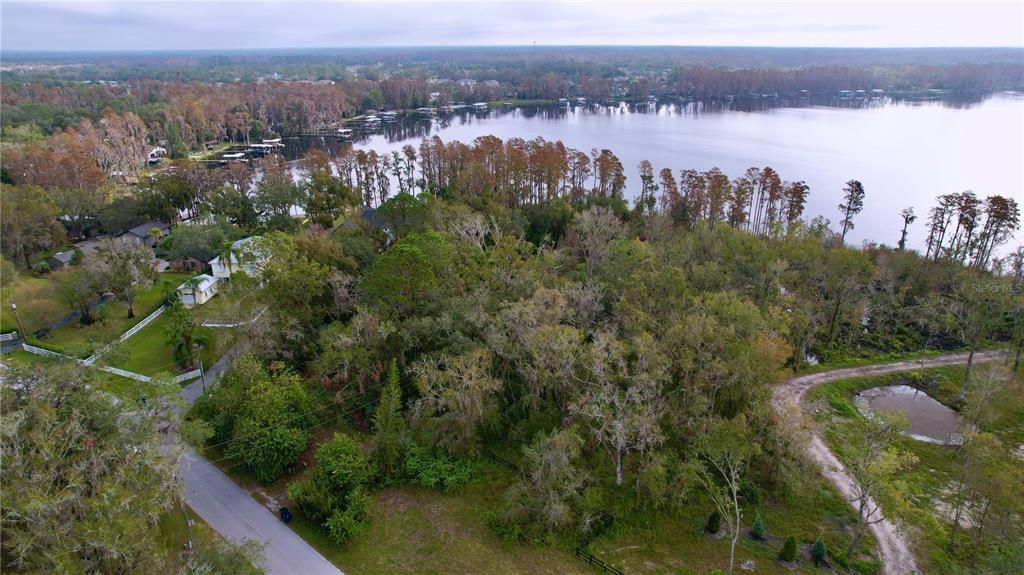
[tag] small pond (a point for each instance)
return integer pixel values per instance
(929, 420)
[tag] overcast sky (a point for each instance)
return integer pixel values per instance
(151, 25)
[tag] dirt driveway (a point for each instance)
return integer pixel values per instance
(893, 548)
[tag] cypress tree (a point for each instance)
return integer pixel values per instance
(389, 425)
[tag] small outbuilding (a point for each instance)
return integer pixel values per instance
(198, 290)
(60, 259)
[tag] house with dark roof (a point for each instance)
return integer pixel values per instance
(143, 233)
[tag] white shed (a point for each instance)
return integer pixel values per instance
(198, 290)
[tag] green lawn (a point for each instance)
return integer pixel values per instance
(82, 341)
(932, 476)
(38, 302)
(148, 353)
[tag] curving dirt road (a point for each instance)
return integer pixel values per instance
(893, 548)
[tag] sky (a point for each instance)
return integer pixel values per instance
(227, 24)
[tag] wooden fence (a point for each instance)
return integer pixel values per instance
(597, 562)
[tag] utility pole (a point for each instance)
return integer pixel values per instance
(21, 328)
(202, 373)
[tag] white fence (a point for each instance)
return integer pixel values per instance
(8, 336)
(149, 318)
(46, 352)
(187, 376)
(225, 323)
(107, 368)
(124, 373)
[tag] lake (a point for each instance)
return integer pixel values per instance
(929, 420)
(905, 153)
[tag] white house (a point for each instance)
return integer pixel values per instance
(198, 290)
(241, 258)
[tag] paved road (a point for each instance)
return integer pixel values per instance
(236, 515)
(233, 513)
(893, 547)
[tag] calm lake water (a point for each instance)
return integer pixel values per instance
(929, 420)
(905, 153)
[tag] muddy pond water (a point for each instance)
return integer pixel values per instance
(929, 420)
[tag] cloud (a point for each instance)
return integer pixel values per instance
(157, 25)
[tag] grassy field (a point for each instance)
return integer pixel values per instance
(82, 340)
(38, 302)
(931, 477)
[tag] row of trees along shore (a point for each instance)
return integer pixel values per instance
(517, 173)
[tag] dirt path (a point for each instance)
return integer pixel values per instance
(893, 548)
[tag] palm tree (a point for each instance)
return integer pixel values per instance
(181, 334)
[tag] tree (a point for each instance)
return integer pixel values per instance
(908, 218)
(78, 289)
(400, 280)
(819, 551)
(622, 404)
(262, 416)
(124, 268)
(389, 425)
(974, 308)
(788, 551)
(181, 334)
(221, 557)
(853, 203)
(29, 225)
(334, 495)
(456, 394)
(592, 231)
(549, 491)
(325, 196)
(200, 241)
(85, 483)
(872, 466)
(725, 453)
(757, 529)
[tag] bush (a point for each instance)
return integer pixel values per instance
(757, 530)
(788, 552)
(349, 521)
(819, 551)
(714, 522)
(433, 469)
(334, 495)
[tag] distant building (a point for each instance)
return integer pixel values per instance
(199, 263)
(60, 259)
(143, 233)
(198, 290)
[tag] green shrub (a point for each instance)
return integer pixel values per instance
(788, 552)
(349, 521)
(434, 469)
(819, 551)
(714, 522)
(757, 530)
